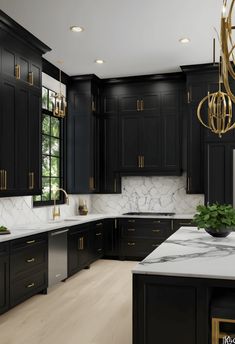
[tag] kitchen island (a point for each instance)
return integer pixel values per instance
(173, 287)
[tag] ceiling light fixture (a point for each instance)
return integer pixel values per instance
(184, 40)
(99, 61)
(76, 28)
(60, 106)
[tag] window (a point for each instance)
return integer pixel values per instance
(52, 150)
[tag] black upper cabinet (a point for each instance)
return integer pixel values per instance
(83, 146)
(20, 91)
(110, 177)
(149, 128)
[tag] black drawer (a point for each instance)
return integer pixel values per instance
(30, 241)
(138, 228)
(28, 258)
(22, 289)
(138, 248)
(182, 222)
(98, 224)
(78, 229)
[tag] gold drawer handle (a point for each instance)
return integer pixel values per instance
(99, 224)
(17, 71)
(30, 260)
(31, 180)
(131, 244)
(156, 230)
(3, 180)
(131, 221)
(154, 245)
(98, 234)
(131, 229)
(99, 249)
(31, 285)
(157, 221)
(81, 244)
(30, 78)
(30, 242)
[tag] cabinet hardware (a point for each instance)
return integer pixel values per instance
(131, 221)
(91, 184)
(189, 97)
(139, 161)
(142, 161)
(156, 221)
(30, 242)
(99, 249)
(131, 243)
(115, 185)
(188, 183)
(172, 225)
(1, 179)
(30, 285)
(30, 78)
(141, 105)
(115, 223)
(5, 179)
(81, 244)
(30, 260)
(99, 224)
(98, 234)
(93, 108)
(156, 230)
(131, 229)
(154, 245)
(138, 105)
(17, 71)
(31, 180)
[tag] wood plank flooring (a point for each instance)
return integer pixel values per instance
(92, 307)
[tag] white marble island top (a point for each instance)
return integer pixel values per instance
(190, 252)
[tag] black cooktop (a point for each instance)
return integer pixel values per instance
(148, 213)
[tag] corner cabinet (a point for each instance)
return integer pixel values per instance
(20, 122)
(4, 277)
(83, 132)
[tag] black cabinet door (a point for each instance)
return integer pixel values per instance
(4, 281)
(151, 146)
(130, 142)
(97, 239)
(111, 238)
(79, 254)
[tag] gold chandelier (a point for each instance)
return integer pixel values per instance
(60, 103)
(219, 113)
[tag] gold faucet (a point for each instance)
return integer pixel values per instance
(56, 210)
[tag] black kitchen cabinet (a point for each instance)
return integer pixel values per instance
(181, 223)
(219, 172)
(111, 238)
(83, 146)
(200, 81)
(20, 90)
(97, 239)
(110, 177)
(4, 277)
(28, 267)
(79, 249)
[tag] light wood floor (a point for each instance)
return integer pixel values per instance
(92, 307)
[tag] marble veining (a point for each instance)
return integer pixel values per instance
(154, 194)
(192, 253)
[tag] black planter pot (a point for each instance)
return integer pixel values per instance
(221, 233)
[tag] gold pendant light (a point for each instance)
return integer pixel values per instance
(60, 103)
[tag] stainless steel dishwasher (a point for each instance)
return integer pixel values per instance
(57, 256)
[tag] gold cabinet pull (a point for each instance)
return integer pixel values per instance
(189, 97)
(156, 230)
(30, 242)
(93, 108)
(142, 161)
(115, 223)
(141, 105)
(188, 183)
(138, 105)
(98, 234)
(131, 243)
(1, 179)
(17, 71)
(31, 180)
(154, 245)
(5, 180)
(30, 78)
(99, 249)
(131, 229)
(139, 161)
(31, 285)
(172, 225)
(31, 260)
(131, 221)
(99, 224)
(157, 221)
(91, 184)
(81, 244)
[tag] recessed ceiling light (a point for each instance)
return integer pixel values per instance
(99, 61)
(76, 28)
(184, 40)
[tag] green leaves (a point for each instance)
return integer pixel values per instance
(215, 216)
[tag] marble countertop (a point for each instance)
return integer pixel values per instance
(35, 228)
(192, 253)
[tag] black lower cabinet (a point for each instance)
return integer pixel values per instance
(4, 277)
(182, 223)
(28, 267)
(111, 238)
(96, 236)
(79, 251)
(164, 312)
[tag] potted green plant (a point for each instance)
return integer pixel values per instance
(217, 219)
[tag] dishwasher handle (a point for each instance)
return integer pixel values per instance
(59, 232)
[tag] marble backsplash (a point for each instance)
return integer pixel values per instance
(19, 210)
(149, 194)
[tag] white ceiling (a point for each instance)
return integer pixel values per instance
(134, 37)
